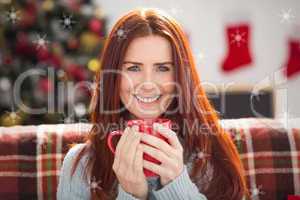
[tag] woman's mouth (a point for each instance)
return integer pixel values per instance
(150, 99)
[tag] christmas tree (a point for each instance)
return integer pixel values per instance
(49, 52)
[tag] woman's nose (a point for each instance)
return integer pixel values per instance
(149, 76)
(148, 86)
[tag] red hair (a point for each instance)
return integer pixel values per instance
(228, 180)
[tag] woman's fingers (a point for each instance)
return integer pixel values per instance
(160, 170)
(169, 134)
(157, 154)
(153, 167)
(159, 144)
(138, 162)
(119, 147)
(131, 147)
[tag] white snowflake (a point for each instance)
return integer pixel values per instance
(286, 16)
(67, 21)
(61, 73)
(121, 33)
(95, 184)
(80, 109)
(12, 15)
(41, 42)
(256, 191)
(202, 155)
(238, 38)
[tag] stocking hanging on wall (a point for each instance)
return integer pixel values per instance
(292, 65)
(238, 53)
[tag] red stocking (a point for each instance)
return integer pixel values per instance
(292, 66)
(293, 197)
(238, 49)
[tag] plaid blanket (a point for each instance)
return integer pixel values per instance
(31, 156)
(270, 154)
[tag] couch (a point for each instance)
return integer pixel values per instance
(31, 157)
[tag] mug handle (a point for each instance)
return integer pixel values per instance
(109, 139)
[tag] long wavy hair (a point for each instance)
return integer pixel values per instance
(191, 107)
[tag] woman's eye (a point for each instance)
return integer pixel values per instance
(163, 68)
(133, 68)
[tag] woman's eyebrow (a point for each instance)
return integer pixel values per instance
(131, 62)
(164, 63)
(139, 63)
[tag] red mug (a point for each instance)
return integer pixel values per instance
(144, 127)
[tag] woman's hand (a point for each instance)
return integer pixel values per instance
(128, 164)
(170, 155)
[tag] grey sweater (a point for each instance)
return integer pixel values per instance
(181, 188)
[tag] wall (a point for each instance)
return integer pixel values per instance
(205, 22)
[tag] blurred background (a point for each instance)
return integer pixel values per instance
(247, 55)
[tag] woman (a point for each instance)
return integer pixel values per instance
(148, 72)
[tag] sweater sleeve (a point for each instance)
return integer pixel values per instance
(122, 195)
(72, 187)
(180, 188)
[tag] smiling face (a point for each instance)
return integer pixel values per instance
(148, 76)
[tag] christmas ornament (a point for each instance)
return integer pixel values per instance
(12, 118)
(89, 41)
(73, 43)
(238, 55)
(94, 65)
(48, 5)
(77, 72)
(45, 85)
(28, 15)
(24, 48)
(95, 25)
(5, 84)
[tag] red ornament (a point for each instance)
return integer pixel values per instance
(23, 46)
(55, 60)
(77, 72)
(28, 18)
(7, 60)
(43, 54)
(73, 43)
(45, 85)
(292, 66)
(95, 25)
(238, 54)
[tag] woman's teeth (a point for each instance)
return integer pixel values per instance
(147, 99)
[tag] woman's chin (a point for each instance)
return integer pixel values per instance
(147, 116)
